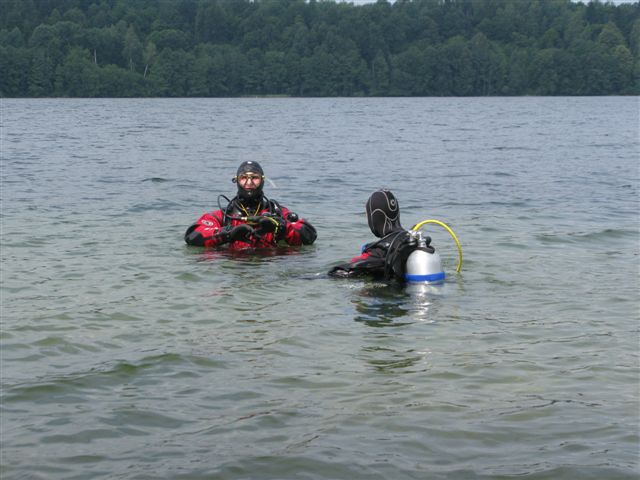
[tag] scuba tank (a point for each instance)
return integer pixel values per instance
(423, 265)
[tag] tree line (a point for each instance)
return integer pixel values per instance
(211, 48)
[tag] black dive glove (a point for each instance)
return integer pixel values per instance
(240, 233)
(275, 225)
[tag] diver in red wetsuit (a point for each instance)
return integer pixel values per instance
(384, 258)
(250, 220)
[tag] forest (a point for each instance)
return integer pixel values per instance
(228, 48)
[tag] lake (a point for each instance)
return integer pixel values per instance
(127, 354)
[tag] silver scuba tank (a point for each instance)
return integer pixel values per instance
(423, 266)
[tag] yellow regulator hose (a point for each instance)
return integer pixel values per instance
(418, 226)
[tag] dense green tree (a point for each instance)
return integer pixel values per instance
(298, 47)
(105, 44)
(414, 72)
(149, 57)
(209, 75)
(622, 69)
(172, 72)
(488, 64)
(211, 24)
(41, 74)
(132, 51)
(274, 75)
(169, 38)
(380, 75)
(455, 70)
(297, 38)
(634, 40)
(550, 39)
(591, 67)
(318, 72)
(252, 77)
(293, 66)
(54, 18)
(518, 79)
(19, 13)
(14, 65)
(118, 82)
(78, 75)
(12, 38)
(611, 36)
(74, 15)
(575, 28)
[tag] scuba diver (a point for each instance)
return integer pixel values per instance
(250, 219)
(385, 258)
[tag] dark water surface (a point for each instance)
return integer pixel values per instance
(126, 354)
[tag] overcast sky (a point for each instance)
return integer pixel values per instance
(615, 2)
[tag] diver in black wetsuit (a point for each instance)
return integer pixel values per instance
(384, 258)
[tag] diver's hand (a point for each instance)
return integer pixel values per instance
(238, 233)
(241, 233)
(253, 220)
(273, 225)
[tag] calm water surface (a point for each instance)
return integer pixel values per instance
(126, 354)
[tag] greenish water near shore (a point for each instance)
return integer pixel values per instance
(127, 354)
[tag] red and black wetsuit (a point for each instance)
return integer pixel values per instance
(211, 229)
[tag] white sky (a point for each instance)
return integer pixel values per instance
(615, 2)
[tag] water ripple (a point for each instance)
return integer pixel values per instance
(126, 354)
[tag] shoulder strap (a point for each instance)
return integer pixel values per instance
(227, 212)
(274, 207)
(399, 249)
(385, 242)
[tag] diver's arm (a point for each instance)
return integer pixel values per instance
(298, 231)
(208, 231)
(369, 263)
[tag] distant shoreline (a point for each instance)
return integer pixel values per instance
(297, 49)
(292, 97)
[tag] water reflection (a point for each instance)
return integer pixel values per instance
(379, 305)
(382, 305)
(389, 360)
(245, 279)
(246, 256)
(423, 300)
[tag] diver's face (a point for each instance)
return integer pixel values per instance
(249, 180)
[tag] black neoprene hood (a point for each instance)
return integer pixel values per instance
(253, 167)
(383, 213)
(249, 166)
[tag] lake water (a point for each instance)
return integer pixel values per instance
(127, 354)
